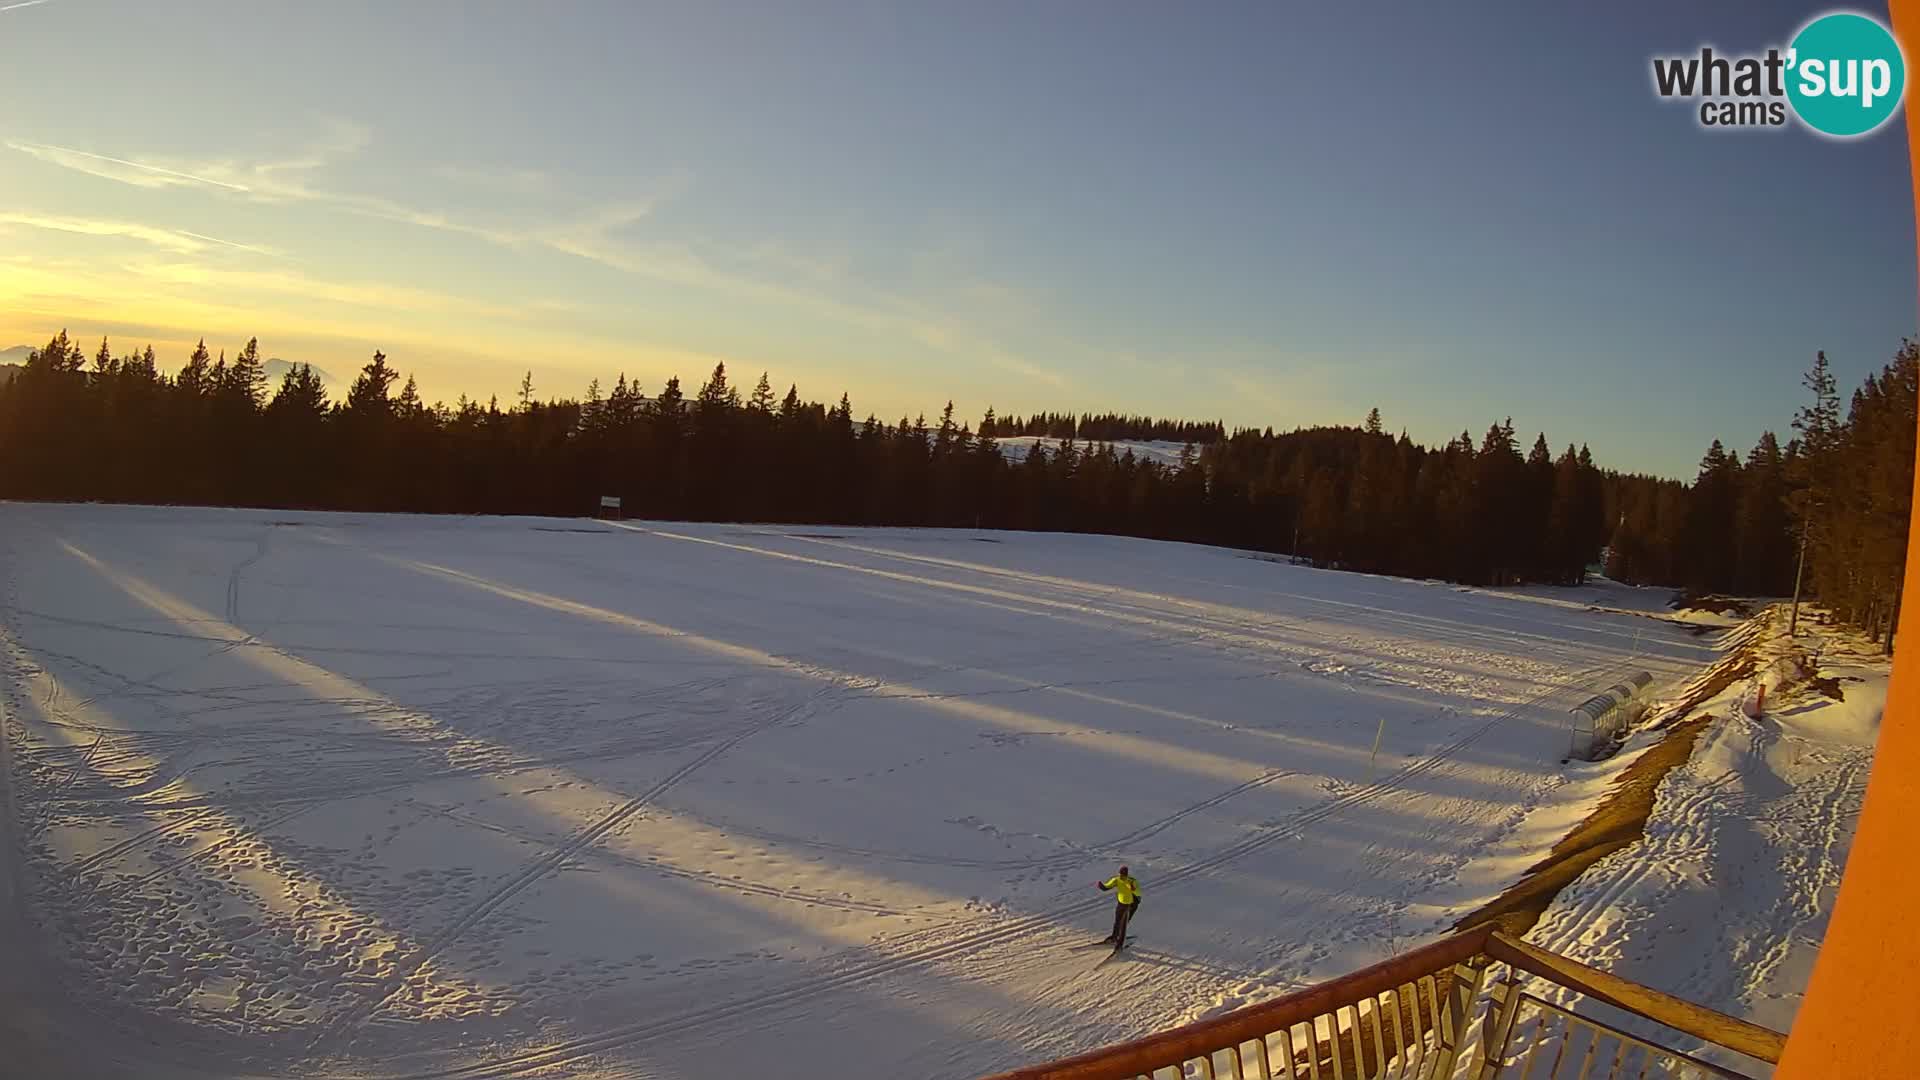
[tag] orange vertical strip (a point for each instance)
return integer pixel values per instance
(1857, 1019)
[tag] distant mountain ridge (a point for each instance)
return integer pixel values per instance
(12, 360)
(277, 369)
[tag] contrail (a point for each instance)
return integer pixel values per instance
(33, 147)
(23, 3)
(228, 243)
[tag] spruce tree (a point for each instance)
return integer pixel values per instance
(193, 378)
(246, 381)
(368, 396)
(1763, 538)
(762, 399)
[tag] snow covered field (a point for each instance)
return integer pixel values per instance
(402, 796)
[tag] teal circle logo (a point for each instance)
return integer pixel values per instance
(1845, 74)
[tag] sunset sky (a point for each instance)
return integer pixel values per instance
(1266, 213)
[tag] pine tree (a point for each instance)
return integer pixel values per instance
(670, 406)
(762, 399)
(943, 436)
(194, 377)
(985, 443)
(104, 364)
(368, 397)
(1708, 543)
(407, 406)
(716, 396)
(295, 421)
(1535, 549)
(1763, 539)
(1565, 540)
(1819, 426)
(1498, 499)
(301, 393)
(246, 381)
(1813, 479)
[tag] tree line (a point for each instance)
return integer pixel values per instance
(1489, 511)
(1107, 427)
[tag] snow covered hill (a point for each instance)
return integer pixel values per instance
(378, 796)
(1015, 448)
(277, 369)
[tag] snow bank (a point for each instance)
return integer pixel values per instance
(1726, 900)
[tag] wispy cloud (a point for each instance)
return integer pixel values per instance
(601, 234)
(23, 3)
(137, 173)
(235, 244)
(178, 241)
(288, 179)
(817, 286)
(375, 295)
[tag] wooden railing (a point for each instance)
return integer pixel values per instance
(1408, 1017)
(1409, 1010)
(1752, 1040)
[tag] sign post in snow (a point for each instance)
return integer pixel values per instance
(612, 503)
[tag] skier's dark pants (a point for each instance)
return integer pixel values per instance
(1122, 915)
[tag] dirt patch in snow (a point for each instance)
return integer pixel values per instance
(1619, 820)
(1715, 605)
(1709, 686)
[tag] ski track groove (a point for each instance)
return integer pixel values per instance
(1201, 612)
(574, 1050)
(705, 878)
(304, 802)
(1227, 633)
(1570, 928)
(239, 569)
(540, 867)
(1831, 818)
(1078, 855)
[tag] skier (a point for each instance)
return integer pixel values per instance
(1127, 892)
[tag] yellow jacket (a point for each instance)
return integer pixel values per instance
(1127, 887)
